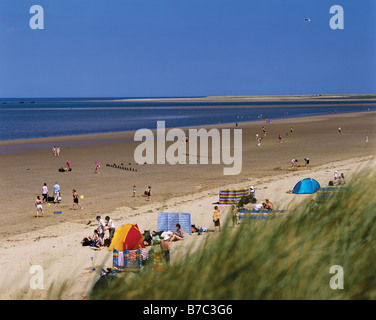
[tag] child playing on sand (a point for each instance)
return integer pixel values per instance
(216, 219)
(38, 204)
(134, 191)
(75, 200)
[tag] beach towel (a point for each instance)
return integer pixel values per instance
(157, 259)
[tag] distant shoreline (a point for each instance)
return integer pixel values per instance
(204, 98)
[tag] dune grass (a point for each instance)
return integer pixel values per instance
(281, 258)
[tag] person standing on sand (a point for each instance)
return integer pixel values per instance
(101, 227)
(38, 204)
(339, 130)
(110, 227)
(148, 198)
(366, 139)
(280, 138)
(75, 199)
(216, 219)
(45, 193)
(134, 192)
(56, 190)
(58, 151)
(97, 166)
(291, 130)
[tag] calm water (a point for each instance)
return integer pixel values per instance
(58, 117)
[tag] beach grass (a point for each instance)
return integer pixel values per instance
(281, 258)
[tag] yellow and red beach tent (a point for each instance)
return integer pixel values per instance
(127, 237)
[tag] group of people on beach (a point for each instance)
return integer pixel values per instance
(56, 198)
(97, 240)
(56, 151)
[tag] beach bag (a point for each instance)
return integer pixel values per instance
(61, 170)
(87, 242)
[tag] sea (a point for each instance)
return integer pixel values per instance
(34, 118)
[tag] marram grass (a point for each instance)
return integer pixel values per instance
(276, 259)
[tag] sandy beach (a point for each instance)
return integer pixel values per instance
(53, 241)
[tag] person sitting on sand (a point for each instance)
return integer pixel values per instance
(178, 235)
(97, 240)
(38, 204)
(268, 205)
(258, 207)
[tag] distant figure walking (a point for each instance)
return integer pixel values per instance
(366, 139)
(97, 166)
(339, 130)
(75, 199)
(280, 138)
(291, 130)
(38, 204)
(58, 150)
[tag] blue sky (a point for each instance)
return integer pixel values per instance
(154, 48)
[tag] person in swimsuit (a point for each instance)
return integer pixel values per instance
(75, 199)
(38, 204)
(134, 191)
(178, 235)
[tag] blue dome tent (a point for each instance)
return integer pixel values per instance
(306, 186)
